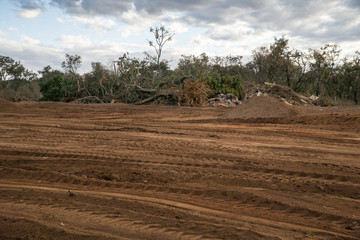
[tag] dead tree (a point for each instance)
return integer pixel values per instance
(157, 93)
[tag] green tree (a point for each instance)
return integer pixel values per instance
(274, 63)
(349, 79)
(322, 68)
(48, 73)
(10, 69)
(14, 70)
(17, 82)
(227, 65)
(193, 66)
(53, 89)
(71, 64)
(225, 84)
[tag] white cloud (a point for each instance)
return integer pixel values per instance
(13, 29)
(237, 31)
(125, 32)
(29, 13)
(2, 33)
(29, 40)
(317, 19)
(60, 20)
(178, 27)
(214, 27)
(96, 23)
(138, 21)
(34, 57)
(72, 42)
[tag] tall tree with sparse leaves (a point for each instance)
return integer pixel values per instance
(162, 36)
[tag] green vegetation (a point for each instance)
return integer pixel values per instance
(53, 90)
(225, 84)
(318, 72)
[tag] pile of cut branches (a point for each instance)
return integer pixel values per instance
(193, 92)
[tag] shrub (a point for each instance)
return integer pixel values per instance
(52, 90)
(225, 84)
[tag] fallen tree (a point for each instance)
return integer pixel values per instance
(191, 93)
(174, 93)
(89, 99)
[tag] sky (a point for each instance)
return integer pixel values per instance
(40, 32)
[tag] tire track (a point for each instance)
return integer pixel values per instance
(212, 213)
(240, 199)
(204, 163)
(301, 175)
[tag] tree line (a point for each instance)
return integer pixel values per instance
(318, 72)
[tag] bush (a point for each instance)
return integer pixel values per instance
(69, 88)
(225, 84)
(52, 90)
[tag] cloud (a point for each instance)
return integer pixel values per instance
(13, 29)
(95, 51)
(30, 4)
(29, 8)
(318, 19)
(93, 7)
(203, 10)
(97, 23)
(60, 20)
(353, 3)
(29, 13)
(34, 57)
(215, 27)
(83, 44)
(29, 40)
(72, 42)
(236, 31)
(125, 32)
(137, 21)
(106, 7)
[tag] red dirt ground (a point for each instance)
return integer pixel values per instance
(263, 170)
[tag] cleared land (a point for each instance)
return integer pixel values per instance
(263, 170)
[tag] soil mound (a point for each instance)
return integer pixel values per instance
(6, 106)
(261, 107)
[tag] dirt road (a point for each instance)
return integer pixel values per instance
(116, 171)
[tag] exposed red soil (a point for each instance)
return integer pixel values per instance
(6, 106)
(267, 109)
(264, 170)
(261, 107)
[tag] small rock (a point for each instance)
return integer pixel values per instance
(71, 194)
(353, 226)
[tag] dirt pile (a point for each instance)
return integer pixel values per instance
(261, 107)
(6, 106)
